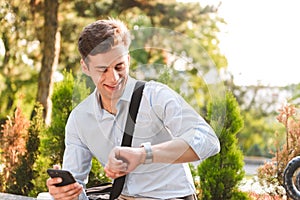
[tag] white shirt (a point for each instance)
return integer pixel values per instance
(163, 116)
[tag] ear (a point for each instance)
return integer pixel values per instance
(84, 67)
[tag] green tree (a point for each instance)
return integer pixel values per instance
(29, 28)
(197, 26)
(18, 56)
(259, 108)
(221, 174)
(25, 54)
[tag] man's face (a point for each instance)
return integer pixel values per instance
(109, 72)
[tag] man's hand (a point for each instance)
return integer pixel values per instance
(68, 192)
(123, 160)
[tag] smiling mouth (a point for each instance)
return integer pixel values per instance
(113, 87)
(116, 86)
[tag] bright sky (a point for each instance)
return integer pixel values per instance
(261, 40)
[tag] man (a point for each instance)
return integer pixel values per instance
(168, 132)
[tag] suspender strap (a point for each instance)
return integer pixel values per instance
(128, 133)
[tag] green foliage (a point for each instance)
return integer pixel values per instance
(97, 175)
(22, 37)
(221, 174)
(259, 106)
(258, 133)
(18, 57)
(67, 94)
(41, 165)
(25, 173)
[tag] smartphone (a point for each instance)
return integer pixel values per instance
(67, 177)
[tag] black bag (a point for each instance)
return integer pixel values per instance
(99, 192)
(109, 190)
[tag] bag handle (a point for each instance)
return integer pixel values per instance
(118, 183)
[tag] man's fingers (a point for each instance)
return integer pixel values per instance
(74, 190)
(117, 165)
(66, 192)
(121, 166)
(114, 175)
(56, 166)
(52, 181)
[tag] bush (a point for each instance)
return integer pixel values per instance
(13, 145)
(221, 174)
(24, 172)
(66, 95)
(271, 173)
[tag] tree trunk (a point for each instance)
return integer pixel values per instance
(50, 57)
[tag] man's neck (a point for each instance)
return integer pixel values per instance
(108, 104)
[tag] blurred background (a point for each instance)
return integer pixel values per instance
(253, 46)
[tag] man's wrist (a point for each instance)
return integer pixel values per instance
(148, 156)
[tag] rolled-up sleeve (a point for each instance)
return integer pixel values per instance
(202, 140)
(194, 130)
(185, 123)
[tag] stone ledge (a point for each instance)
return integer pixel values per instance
(6, 196)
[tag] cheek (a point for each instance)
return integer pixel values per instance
(97, 78)
(125, 72)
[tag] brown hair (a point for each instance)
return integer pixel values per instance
(100, 36)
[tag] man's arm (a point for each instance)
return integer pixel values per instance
(174, 151)
(123, 160)
(77, 160)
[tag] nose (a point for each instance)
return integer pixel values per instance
(113, 75)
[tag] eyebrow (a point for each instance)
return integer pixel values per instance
(99, 66)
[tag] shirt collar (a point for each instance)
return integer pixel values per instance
(126, 96)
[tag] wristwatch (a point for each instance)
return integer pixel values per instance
(149, 155)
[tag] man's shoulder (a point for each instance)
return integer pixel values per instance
(154, 85)
(157, 88)
(86, 104)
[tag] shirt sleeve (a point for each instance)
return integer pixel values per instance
(184, 122)
(77, 157)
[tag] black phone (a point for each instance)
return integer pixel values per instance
(67, 177)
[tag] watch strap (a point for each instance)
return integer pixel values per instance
(149, 154)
